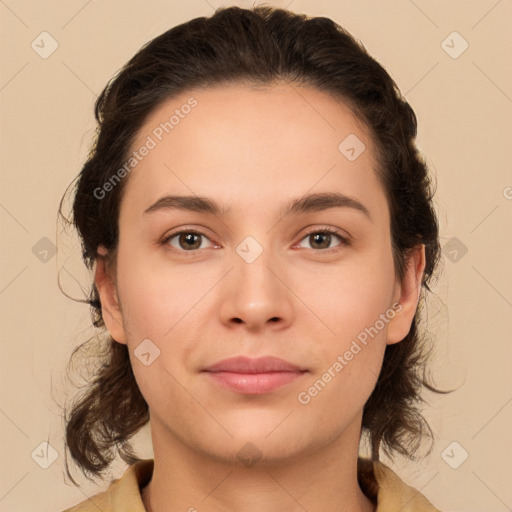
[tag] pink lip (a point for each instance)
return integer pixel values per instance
(254, 376)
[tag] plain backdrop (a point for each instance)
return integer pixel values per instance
(450, 60)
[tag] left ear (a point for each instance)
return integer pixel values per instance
(407, 296)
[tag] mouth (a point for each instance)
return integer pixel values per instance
(254, 376)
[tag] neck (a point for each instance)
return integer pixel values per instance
(323, 481)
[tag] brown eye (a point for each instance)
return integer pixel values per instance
(322, 239)
(186, 241)
(189, 240)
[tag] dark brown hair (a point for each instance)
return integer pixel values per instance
(261, 46)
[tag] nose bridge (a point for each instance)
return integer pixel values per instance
(257, 294)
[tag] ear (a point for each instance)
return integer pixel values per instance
(110, 308)
(407, 295)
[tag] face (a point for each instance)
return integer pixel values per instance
(289, 256)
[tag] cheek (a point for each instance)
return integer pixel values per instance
(336, 396)
(159, 305)
(164, 304)
(350, 341)
(350, 297)
(352, 306)
(157, 296)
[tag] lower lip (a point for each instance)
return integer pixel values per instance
(254, 383)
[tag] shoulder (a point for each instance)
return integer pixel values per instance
(123, 494)
(389, 491)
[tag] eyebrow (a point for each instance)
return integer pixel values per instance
(305, 204)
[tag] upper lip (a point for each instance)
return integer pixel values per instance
(264, 364)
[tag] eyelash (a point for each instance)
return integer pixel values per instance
(344, 240)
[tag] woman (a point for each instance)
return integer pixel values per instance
(261, 229)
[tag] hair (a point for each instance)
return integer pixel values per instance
(258, 46)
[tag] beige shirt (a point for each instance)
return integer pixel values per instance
(382, 485)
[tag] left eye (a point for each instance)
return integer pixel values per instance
(187, 240)
(323, 238)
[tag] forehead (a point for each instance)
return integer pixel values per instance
(243, 144)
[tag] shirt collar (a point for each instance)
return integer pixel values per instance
(380, 483)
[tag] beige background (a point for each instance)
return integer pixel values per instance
(464, 106)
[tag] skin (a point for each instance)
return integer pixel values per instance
(253, 150)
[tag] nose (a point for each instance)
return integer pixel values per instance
(256, 296)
